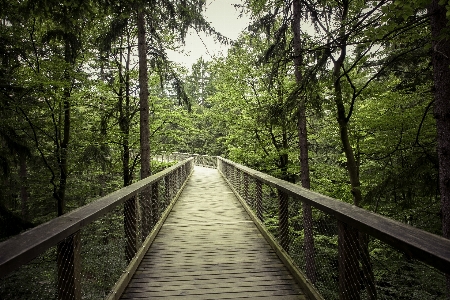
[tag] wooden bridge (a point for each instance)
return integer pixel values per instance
(222, 232)
(209, 248)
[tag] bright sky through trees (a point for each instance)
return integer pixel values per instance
(226, 19)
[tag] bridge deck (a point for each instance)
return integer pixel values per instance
(209, 248)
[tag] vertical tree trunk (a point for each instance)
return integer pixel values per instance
(23, 174)
(143, 98)
(361, 248)
(62, 154)
(360, 241)
(303, 144)
(441, 74)
(343, 121)
(145, 196)
(125, 114)
(68, 250)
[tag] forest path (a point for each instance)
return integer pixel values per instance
(209, 248)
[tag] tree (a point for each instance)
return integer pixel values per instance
(441, 74)
(143, 96)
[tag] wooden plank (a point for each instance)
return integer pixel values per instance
(218, 293)
(218, 296)
(300, 278)
(210, 249)
(235, 281)
(124, 279)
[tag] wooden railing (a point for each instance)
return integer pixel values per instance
(199, 160)
(84, 253)
(336, 244)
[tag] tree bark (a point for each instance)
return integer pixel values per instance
(62, 153)
(441, 74)
(23, 174)
(143, 98)
(125, 114)
(145, 196)
(303, 144)
(360, 241)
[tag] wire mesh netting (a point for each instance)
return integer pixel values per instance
(340, 261)
(35, 280)
(103, 253)
(88, 263)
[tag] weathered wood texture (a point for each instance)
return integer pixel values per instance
(418, 244)
(209, 248)
(24, 247)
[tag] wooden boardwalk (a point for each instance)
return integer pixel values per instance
(209, 248)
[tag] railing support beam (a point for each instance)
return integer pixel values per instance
(309, 242)
(69, 268)
(258, 200)
(283, 220)
(349, 278)
(155, 204)
(130, 228)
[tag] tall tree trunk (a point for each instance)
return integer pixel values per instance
(23, 174)
(147, 215)
(125, 114)
(303, 144)
(349, 236)
(64, 142)
(441, 74)
(143, 98)
(103, 176)
(68, 250)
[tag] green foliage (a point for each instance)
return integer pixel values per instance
(243, 107)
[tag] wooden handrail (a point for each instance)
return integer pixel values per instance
(419, 244)
(24, 247)
(199, 160)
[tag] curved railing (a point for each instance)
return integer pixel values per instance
(345, 251)
(86, 252)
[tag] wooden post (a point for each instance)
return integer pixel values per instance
(237, 179)
(155, 204)
(146, 212)
(246, 187)
(233, 176)
(69, 268)
(309, 242)
(241, 182)
(178, 179)
(130, 226)
(167, 190)
(258, 200)
(349, 278)
(231, 171)
(283, 220)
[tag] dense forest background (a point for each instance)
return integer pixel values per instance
(335, 95)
